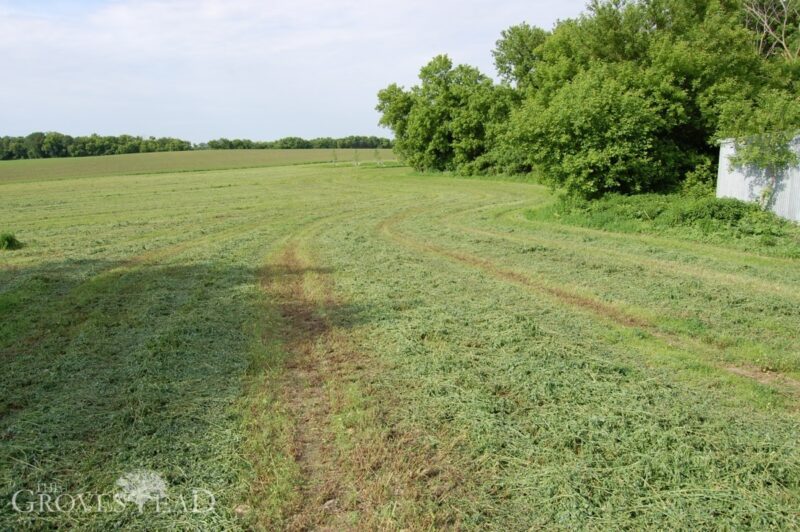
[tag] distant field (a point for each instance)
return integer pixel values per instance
(144, 163)
(363, 348)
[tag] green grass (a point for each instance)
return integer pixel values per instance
(365, 347)
(185, 161)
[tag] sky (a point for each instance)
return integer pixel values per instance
(258, 69)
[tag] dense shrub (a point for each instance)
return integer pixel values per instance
(601, 132)
(709, 219)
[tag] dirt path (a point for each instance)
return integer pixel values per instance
(308, 377)
(356, 474)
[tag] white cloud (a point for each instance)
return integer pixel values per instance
(207, 68)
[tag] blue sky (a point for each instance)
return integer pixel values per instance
(202, 69)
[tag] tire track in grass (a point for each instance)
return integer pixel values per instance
(388, 228)
(355, 470)
(599, 309)
(303, 387)
(70, 302)
(701, 249)
(515, 216)
(663, 266)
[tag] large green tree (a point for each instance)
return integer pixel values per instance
(445, 122)
(517, 53)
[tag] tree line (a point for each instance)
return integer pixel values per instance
(41, 145)
(353, 141)
(52, 144)
(631, 96)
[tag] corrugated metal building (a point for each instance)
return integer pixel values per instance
(746, 183)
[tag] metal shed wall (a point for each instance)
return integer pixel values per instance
(746, 183)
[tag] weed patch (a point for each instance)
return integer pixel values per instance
(705, 219)
(9, 241)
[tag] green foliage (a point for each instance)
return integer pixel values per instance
(763, 130)
(53, 144)
(704, 218)
(632, 96)
(9, 241)
(599, 133)
(298, 143)
(448, 121)
(699, 182)
(516, 56)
